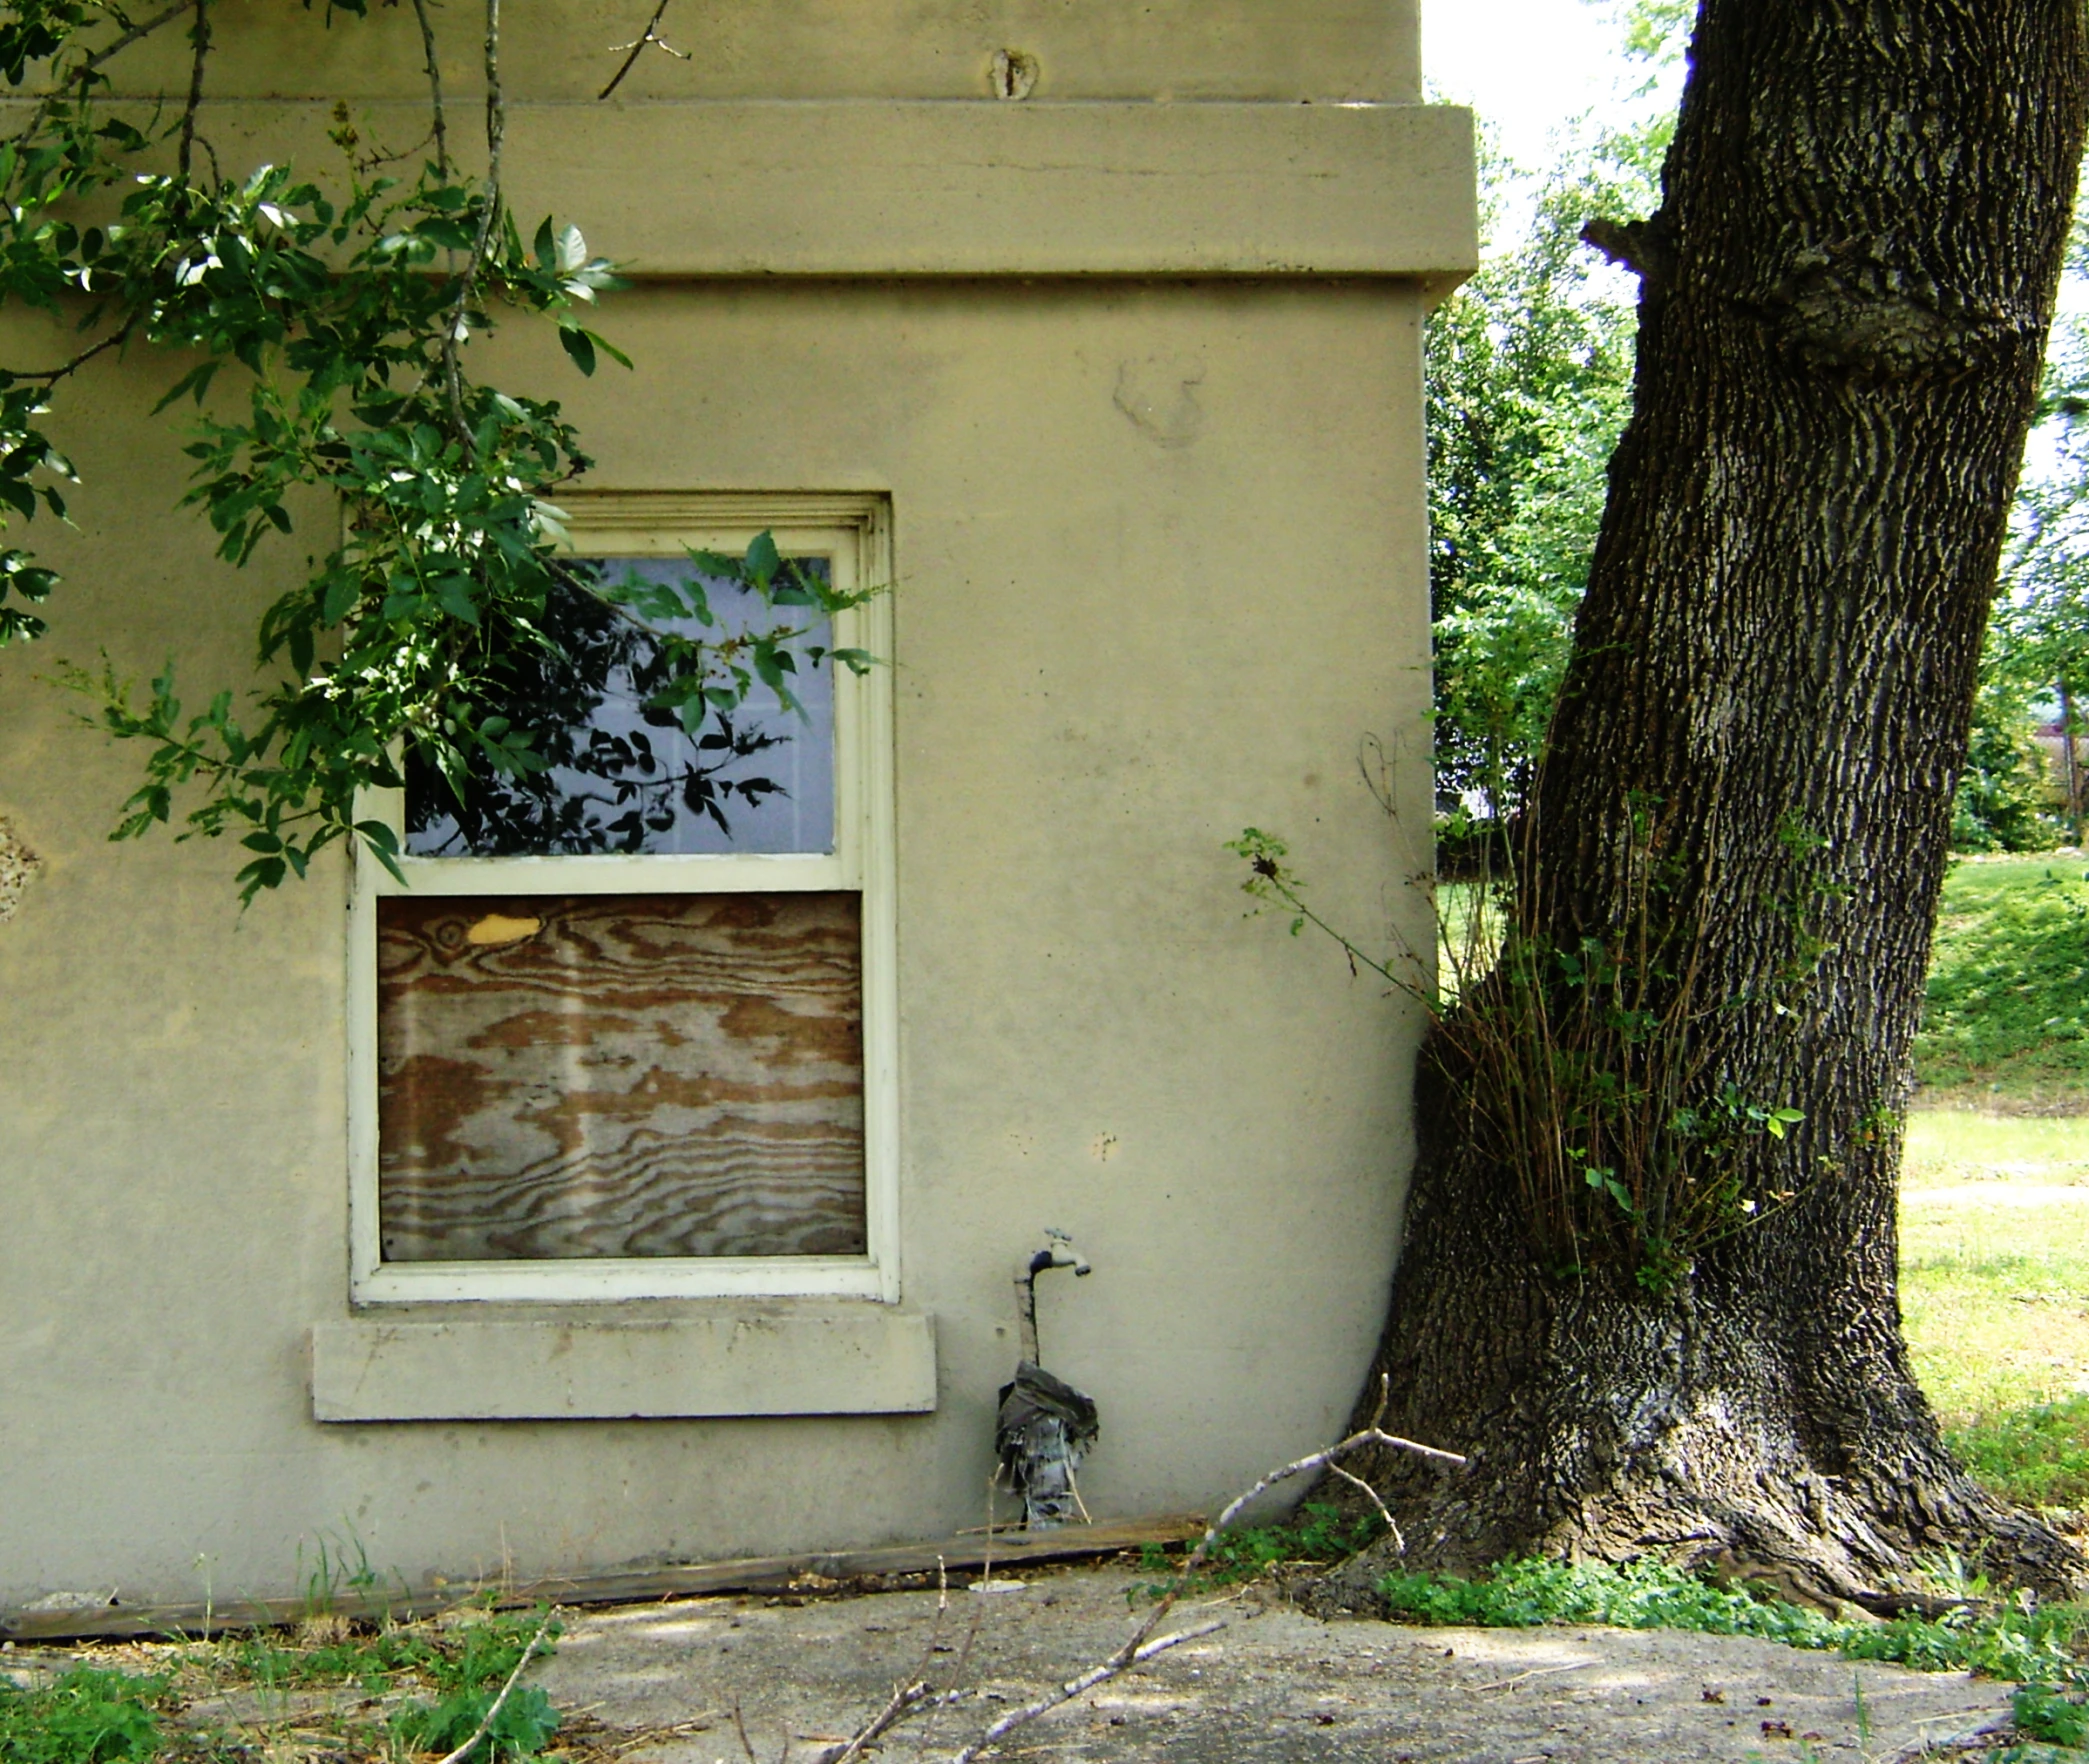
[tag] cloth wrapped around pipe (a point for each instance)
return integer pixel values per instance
(1042, 1433)
(1044, 1426)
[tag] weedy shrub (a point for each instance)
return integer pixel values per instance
(457, 1666)
(2043, 1713)
(2005, 1642)
(1578, 1059)
(88, 1716)
(1318, 1532)
(473, 1655)
(2038, 1456)
(525, 1723)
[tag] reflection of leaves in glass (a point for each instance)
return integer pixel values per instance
(600, 788)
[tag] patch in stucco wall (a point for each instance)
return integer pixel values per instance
(1160, 398)
(18, 867)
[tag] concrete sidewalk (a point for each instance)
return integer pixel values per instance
(1274, 1685)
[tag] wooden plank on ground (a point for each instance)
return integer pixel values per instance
(817, 1572)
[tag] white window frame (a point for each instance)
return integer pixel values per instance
(854, 530)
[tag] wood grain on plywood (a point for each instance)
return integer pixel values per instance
(620, 1075)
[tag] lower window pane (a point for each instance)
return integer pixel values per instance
(620, 1075)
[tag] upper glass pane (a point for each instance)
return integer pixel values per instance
(625, 775)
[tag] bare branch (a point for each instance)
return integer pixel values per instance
(496, 131)
(434, 67)
(1126, 1656)
(905, 1699)
(1392, 1525)
(650, 34)
(108, 51)
(979, 1610)
(907, 1696)
(199, 38)
(51, 376)
(1137, 1647)
(501, 1702)
(496, 119)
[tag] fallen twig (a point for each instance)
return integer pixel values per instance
(1535, 1672)
(1982, 1739)
(979, 1610)
(647, 1736)
(1137, 1647)
(1126, 1656)
(917, 1693)
(906, 1697)
(501, 1702)
(1392, 1525)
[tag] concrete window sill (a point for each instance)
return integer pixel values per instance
(770, 1360)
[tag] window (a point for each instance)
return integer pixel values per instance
(628, 1030)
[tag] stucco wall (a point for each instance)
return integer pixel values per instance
(1279, 50)
(1159, 547)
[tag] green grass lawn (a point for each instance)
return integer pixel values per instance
(1995, 1291)
(1995, 1184)
(2007, 1021)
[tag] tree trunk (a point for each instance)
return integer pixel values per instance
(2070, 766)
(1844, 302)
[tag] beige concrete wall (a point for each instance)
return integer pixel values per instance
(1160, 569)
(1285, 51)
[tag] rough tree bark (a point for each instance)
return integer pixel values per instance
(1844, 301)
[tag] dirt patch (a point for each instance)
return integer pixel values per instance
(1273, 1685)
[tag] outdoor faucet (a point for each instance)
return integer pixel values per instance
(1043, 1427)
(1058, 1252)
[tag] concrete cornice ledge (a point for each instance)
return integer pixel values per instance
(951, 188)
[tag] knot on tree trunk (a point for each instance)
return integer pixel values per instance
(1846, 308)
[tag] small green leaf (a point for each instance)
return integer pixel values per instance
(763, 560)
(195, 382)
(580, 346)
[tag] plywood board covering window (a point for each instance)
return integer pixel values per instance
(627, 1028)
(620, 1075)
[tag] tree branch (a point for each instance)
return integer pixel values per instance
(496, 129)
(650, 35)
(109, 51)
(442, 138)
(1139, 1645)
(906, 1699)
(1131, 1654)
(115, 340)
(199, 37)
(1641, 246)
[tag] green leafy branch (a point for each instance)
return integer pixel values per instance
(347, 314)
